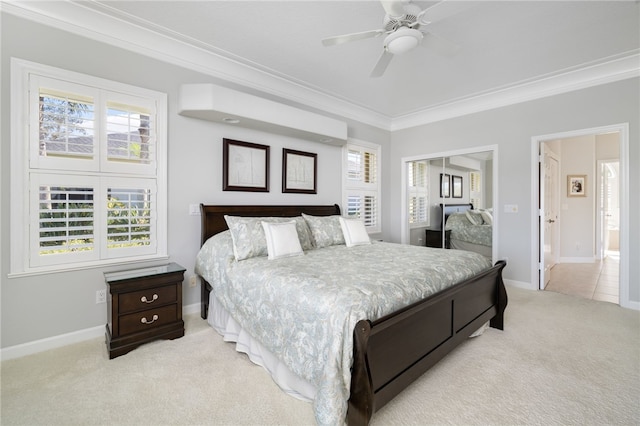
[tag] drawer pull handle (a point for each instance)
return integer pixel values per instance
(144, 320)
(143, 299)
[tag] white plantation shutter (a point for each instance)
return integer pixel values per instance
(95, 179)
(418, 196)
(362, 187)
(131, 218)
(475, 189)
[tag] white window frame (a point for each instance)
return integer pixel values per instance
(23, 75)
(362, 189)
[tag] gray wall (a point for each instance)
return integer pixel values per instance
(37, 307)
(512, 129)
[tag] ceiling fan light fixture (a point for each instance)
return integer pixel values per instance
(402, 40)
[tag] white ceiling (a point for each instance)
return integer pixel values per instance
(503, 43)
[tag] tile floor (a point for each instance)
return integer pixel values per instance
(597, 281)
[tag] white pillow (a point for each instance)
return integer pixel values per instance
(355, 234)
(474, 217)
(282, 239)
(487, 217)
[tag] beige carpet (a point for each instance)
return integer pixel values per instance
(560, 360)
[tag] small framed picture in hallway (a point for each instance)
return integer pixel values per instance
(576, 185)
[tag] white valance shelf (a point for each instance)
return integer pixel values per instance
(223, 105)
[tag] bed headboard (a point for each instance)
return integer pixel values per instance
(213, 222)
(447, 209)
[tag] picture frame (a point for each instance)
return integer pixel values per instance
(576, 185)
(445, 185)
(456, 186)
(245, 166)
(299, 172)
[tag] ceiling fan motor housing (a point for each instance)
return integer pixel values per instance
(408, 19)
(402, 40)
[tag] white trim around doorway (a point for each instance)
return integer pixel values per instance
(623, 130)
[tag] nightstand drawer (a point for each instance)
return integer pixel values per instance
(149, 319)
(145, 299)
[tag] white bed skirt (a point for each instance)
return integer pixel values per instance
(231, 331)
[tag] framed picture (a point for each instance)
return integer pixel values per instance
(445, 188)
(299, 171)
(245, 166)
(576, 185)
(456, 184)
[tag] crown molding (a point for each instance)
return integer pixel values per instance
(91, 20)
(608, 70)
(88, 19)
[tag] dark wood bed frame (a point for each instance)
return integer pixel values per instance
(447, 209)
(393, 351)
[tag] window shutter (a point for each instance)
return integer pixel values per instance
(361, 186)
(93, 190)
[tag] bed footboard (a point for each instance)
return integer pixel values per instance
(392, 352)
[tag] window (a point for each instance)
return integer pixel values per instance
(90, 171)
(361, 184)
(475, 189)
(418, 197)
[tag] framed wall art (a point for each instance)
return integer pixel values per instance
(576, 185)
(456, 186)
(299, 171)
(245, 166)
(445, 186)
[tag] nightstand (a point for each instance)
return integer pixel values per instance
(145, 304)
(434, 238)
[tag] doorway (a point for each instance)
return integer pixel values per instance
(599, 255)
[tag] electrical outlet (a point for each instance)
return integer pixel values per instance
(193, 281)
(101, 296)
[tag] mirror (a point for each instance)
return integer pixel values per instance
(450, 202)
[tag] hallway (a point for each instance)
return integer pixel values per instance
(597, 281)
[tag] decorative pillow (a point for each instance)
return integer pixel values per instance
(325, 230)
(282, 239)
(355, 234)
(487, 217)
(248, 236)
(474, 217)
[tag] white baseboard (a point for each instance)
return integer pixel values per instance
(520, 284)
(42, 345)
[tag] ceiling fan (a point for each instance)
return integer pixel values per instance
(404, 25)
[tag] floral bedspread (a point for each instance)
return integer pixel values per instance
(304, 309)
(463, 230)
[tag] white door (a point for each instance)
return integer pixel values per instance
(549, 204)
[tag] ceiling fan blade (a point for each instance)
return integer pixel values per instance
(440, 45)
(345, 38)
(443, 10)
(394, 8)
(382, 64)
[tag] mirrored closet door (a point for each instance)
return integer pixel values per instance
(450, 202)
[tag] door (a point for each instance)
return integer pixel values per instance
(549, 204)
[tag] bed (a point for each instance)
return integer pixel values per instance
(376, 356)
(470, 229)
